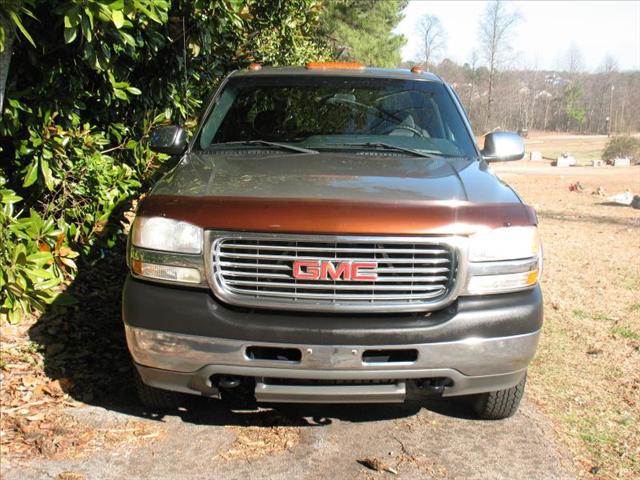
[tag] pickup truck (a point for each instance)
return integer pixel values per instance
(333, 234)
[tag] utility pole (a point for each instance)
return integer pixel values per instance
(610, 117)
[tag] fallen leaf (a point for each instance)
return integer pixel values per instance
(376, 464)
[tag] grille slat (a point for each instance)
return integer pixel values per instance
(343, 296)
(271, 266)
(334, 286)
(334, 249)
(381, 279)
(434, 261)
(257, 270)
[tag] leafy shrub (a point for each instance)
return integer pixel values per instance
(622, 147)
(34, 259)
(87, 82)
(74, 177)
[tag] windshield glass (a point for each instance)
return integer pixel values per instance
(337, 113)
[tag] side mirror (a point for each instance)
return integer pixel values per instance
(503, 147)
(171, 140)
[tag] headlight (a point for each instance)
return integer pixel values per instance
(503, 260)
(157, 233)
(508, 243)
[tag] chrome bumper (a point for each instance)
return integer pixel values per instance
(186, 362)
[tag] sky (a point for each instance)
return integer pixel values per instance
(545, 33)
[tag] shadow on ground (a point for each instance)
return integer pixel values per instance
(84, 347)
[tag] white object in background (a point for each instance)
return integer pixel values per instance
(621, 162)
(624, 198)
(565, 160)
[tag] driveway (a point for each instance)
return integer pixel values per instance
(424, 439)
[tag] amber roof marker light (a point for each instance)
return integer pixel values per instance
(334, 66)
(254, 66)
(417, 69)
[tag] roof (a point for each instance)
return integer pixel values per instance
(368, 72)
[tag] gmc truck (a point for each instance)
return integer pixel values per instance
(333, 234)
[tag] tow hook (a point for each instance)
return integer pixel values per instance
(228, 382)
(435, 386)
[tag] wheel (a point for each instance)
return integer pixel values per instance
(156, 397)
(501, 403)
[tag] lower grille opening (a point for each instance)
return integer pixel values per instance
(293, 355)
(407, 355)
(324, 383)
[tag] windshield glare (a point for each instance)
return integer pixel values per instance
(328, 112)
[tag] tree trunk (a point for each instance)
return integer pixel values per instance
(5, 60)
(490, 98)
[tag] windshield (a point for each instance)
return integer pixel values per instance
(340, 113)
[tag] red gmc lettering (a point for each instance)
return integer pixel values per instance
(330, 272)
(366, 276)
(326, 270)
(311, 272)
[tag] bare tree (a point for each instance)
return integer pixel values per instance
(573, 60)
(433, 38)
(609, 64)
(496, 26)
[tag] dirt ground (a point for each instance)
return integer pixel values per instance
(586, 375)
(580, 417)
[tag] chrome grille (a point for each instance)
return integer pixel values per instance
(413, 273)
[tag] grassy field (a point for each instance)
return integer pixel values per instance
(583, 148)
(586, 375)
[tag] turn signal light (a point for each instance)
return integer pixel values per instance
(334, 66)
(169, 273)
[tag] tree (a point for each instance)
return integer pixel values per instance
(11, 13)
(609, 64)
(362, 31)
(496, 26)
(573, 60)
(573, 95)
(433, 38)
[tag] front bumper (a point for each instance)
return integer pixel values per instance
(187, 363)
(183, 339)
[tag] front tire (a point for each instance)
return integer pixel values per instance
(156, 398)
(501, 403)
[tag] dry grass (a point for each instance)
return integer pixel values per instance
(586, 375)
(583, 149)
(255, 442)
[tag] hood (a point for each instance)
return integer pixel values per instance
(337, 176)
(335, 193)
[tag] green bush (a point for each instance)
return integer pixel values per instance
(87, 82)
(622, 147)
(35, 259)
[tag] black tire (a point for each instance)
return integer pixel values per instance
(156, 398)
(499, 404)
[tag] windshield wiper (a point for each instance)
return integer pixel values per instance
(388, 146)
(282, 146)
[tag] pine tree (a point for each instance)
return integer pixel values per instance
(362, 31)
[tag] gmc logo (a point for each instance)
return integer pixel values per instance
(327, 270)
